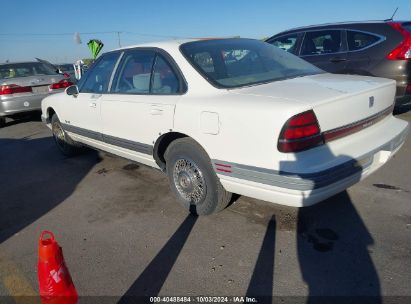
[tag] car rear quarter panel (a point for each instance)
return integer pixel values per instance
(248, 126)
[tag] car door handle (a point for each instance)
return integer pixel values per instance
(338, 59)
(156, 111)
(93, 105)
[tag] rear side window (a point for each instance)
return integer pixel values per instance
(287, 43)
(98, 77)
(359, 40)
(26, 69)
(322, 42)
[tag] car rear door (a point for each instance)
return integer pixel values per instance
(140, 105)
(82, 112)
(326, 49)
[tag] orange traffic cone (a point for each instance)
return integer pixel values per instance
(56, 286)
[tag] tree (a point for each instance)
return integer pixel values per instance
(88, 61)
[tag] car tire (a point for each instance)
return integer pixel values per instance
(63, 141)
(2, 122)
(192, 178)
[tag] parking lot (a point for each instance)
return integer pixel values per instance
(124, 234)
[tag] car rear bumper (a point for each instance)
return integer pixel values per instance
(305, 189)
(401, 101)
(10, 105)
(14, 105)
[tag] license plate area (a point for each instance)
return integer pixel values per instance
(40, 89)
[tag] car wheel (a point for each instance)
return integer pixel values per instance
(192, 178)
(65, 144)
(2, 122)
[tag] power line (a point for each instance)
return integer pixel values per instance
(54, 34)
(92, 33)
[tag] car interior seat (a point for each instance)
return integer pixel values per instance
(330, 46)
(141, 83)
(309, 47)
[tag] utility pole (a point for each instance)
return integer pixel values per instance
(118, 37)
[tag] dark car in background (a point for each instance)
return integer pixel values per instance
(23, 85)
(373, 48)
(67, 68)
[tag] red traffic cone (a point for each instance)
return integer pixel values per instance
(56, 286)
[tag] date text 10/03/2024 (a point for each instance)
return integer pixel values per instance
(203, 299)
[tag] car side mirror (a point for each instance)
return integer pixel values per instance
(72, 91)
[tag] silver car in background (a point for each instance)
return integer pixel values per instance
(23, 85)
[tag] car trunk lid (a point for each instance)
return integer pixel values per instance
(337, 100)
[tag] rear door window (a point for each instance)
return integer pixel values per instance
(322, 42)
(287, 43)
(360, 40)
(98, 77)
(134, 73)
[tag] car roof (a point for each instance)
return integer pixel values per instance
(339, 24)
(159, 44)
(167, 44)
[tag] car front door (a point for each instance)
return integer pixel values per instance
(289, 42)
(326, 49)
(141, 102)
(82, 112)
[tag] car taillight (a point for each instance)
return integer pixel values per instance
(403, 50)
(13, 88)
(300, 132)
(60, 85)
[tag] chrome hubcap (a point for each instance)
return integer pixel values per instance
(189, 181)
(58, 133)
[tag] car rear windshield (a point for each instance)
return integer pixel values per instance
(66, 67)
(14, 70)
(231, 63)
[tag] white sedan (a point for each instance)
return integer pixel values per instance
(230, 116)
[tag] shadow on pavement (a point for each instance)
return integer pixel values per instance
(262, 280)
(151, 280)
(332, 247)
(35, 178)
(334, 258)
(22, 118)
(332, 239)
